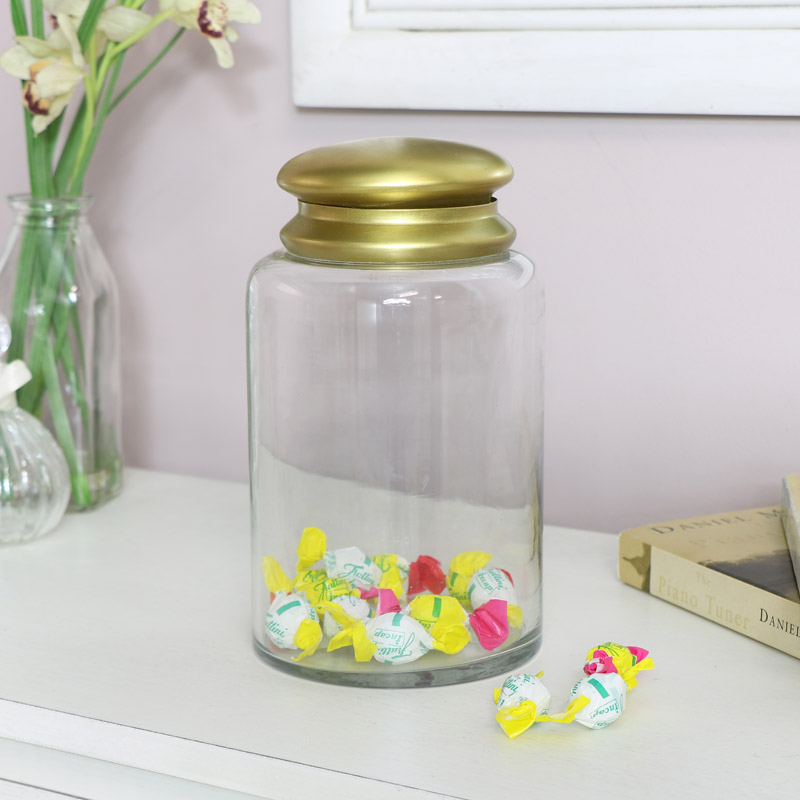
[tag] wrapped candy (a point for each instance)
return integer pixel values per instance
(490, 583)
(311, 549)
(446, 615)
(490, 624)
(485, 586)
(309, 577)
(293, 624)
(327, 589)
(392, 639)
(522, 701)
(597, 701)
(388, 602)
(353, 609)
(395, 571)
(274, 576)
(625, 661)
(462, 568)
(425, 574)
(352, 565)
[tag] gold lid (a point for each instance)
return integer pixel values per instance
(396, 201)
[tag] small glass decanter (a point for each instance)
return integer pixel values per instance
(34, 478)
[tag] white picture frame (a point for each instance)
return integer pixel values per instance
(606, 56)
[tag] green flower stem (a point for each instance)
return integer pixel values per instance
(50, 263)
(18, 18)
(143, 74)
(69, 153)
(75, 185)
(37, 19)
(81, 493)
(89, 21)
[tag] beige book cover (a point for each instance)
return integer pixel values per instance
(790, 515)
(733, 569)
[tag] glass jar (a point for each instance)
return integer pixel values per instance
(61, 298)
(395, 396)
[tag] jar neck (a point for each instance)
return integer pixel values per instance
(48, 211)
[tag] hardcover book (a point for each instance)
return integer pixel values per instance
(733, 569)
(790, 516)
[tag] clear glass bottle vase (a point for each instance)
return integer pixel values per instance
(61, 298)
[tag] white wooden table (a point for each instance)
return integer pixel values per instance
(127, 671)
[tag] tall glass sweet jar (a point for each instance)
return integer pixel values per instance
(395, 410)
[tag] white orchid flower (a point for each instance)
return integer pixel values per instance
(53, 68)
(120, 22)
(72, 8)
(211, 18)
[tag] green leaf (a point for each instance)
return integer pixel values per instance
(18, 18)
(69, 153)
(37, 19)
(89, 21)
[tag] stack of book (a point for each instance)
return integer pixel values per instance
(740, 569)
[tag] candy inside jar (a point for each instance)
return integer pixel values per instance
(348, 610)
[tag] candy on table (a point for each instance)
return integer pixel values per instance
(597, 701)
(343, 611)
(522, 701)
(425, 574)
(354, 566)
(462, 568)
(615, 658)
(444, 618)
(293, 624)
(311, 549)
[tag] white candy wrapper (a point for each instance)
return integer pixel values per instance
(354, 566)
(518, 688)
(292, 624)
(490, 584)
(399, 639)
(597, 701)
(355, 607)
(522, 701)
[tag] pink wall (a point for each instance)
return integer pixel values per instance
(670, 248)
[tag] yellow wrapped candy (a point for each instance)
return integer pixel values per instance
(443, 617)
(311, 549)
(327, 589)
(274, 576)
(462, 568)
(522, 701)
(293, 624)
(394, 571)
(308, 577)
(354, 634)
(610, 657)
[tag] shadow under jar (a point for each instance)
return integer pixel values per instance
(395, 396)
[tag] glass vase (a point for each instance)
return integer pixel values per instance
(60, 295)
(34, 491)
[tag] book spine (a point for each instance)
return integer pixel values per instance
(763, 616)
(790, 516)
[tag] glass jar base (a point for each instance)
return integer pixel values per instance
(98, 488)
(414, 675)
